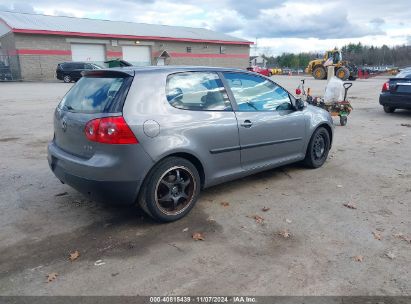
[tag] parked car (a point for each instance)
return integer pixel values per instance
(71, 71)
(156, 136)
(5, 73)
(396, 92)
(259, 70)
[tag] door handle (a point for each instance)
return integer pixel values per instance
(247, 124)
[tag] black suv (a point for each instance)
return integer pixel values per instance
(71, 71)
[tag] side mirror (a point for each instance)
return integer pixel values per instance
(299, 104)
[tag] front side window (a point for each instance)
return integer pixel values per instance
(253, 93)
(199, 91)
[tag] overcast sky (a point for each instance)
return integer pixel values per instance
(279, 26)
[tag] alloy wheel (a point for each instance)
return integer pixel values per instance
(175, 190)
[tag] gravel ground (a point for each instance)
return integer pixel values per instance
(42, 221)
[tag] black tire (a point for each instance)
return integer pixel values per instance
(343, 120)
(319, 72)
(343, 73)
(67, 78)
(388, 109)
(166, 195)
(318, 148)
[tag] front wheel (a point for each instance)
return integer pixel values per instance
(319, 73)
(388, 109)
(318, 148)
(171, 189)
(343, 120)
(67, 78)
(343, 73)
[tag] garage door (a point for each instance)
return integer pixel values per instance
(137, 55)
(88, 52)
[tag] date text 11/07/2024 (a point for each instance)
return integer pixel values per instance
(202, 299)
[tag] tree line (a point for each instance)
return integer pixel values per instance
(361, 55)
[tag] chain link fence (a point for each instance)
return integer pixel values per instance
(9, 68)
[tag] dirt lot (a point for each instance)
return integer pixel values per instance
(42, 221)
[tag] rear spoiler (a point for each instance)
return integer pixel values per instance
(402, 79)
(107, 73)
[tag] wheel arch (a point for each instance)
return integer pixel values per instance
(329, 130)
(191, 158)
(315, 128)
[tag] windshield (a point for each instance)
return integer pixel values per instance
(404, 74)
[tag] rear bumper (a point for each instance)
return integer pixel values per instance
(115, 181)
(396, 101)
(124, 192)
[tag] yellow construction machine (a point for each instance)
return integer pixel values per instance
(343, 69)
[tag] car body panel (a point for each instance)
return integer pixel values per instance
(203, 134)
(274, 137)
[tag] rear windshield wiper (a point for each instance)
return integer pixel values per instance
(69, 108)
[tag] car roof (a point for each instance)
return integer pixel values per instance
(132, 70)
(75, 62)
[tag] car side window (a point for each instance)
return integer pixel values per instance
(253, 93)
(198, 91)
(67, 66)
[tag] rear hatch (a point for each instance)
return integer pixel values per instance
(99, 93)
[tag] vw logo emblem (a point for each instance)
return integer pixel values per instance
(64, 125)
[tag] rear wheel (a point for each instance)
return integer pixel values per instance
(319, 72)
(388, 109)
(343, 120)
(318, 148)
(343, 73)
(171, 189)
(67, 78)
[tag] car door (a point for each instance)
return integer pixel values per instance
(205, 120)
(271, 131)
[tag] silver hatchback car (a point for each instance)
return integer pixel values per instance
(156, 136)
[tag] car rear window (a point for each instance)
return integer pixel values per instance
(97, 95)
(404, 74)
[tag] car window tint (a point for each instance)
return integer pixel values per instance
(201, 91)
(254, 93)
(67, 66)
(95, 95)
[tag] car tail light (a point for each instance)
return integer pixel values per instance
(110, 130)
(386, 87)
